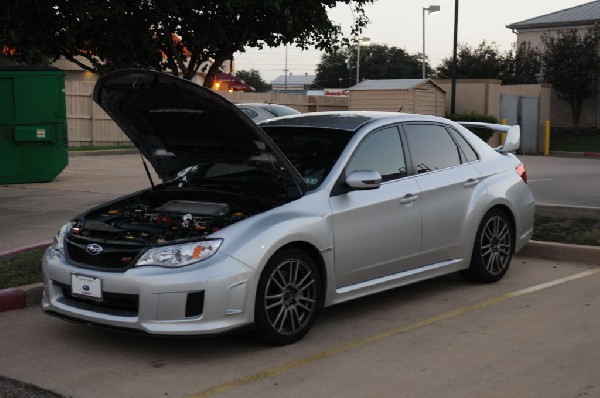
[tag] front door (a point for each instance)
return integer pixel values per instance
(377, 232)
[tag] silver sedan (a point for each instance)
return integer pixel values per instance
(262, 225)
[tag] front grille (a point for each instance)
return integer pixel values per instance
(113, 257)
(120, 304)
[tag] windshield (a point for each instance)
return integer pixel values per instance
(312, 151)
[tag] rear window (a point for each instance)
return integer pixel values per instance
(280, 110)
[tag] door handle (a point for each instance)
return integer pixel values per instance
(408, 198)
(471, 182)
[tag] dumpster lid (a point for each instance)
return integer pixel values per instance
(28, 68)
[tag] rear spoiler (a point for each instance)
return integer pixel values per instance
(513, 134)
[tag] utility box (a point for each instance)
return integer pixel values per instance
(33, 124)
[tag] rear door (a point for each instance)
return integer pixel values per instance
(452, 194)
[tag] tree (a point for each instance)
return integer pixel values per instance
(571, 66)
(522, 66)
(482, 62)
(253, 78)
(377, 61)
(179, 36)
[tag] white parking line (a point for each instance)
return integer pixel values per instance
(381, 336)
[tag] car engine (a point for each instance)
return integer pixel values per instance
(141, 222)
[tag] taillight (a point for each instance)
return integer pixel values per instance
(520, 169)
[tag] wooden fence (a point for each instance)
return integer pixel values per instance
(89, 125)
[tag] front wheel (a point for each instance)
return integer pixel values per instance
(288, 297)
(493, 248)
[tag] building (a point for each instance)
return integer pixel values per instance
(581, 18)
(398, 95)
(293, 84)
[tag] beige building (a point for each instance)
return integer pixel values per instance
(398, 95)
(581, 18)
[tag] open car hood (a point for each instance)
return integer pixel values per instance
(176, 123)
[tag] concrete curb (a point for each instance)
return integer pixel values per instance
(560, 211)
(5, 255)
(561, 252)
(23, 296)
(104, 152)
(564, 154)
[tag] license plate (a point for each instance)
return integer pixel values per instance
(87, 287)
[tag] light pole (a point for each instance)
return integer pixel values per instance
(429, 10)
(364, 41)
(454, 60)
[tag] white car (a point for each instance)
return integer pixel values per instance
(267, 224)
(259, 112)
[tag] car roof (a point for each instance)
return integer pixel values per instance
(344, 120)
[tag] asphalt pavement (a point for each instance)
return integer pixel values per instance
(533, 334)
(570, 181)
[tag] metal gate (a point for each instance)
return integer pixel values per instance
(523, 111)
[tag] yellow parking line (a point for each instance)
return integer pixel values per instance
(381, 336)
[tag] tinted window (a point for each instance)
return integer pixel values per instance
(431, 147)
(280, 110)
(250, 112)
(469, 154)
(380, 151)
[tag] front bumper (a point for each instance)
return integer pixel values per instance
(211, 297)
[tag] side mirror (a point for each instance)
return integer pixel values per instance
(364, 179)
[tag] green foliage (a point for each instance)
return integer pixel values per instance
(178, 35)
(568, 140)
(577, 231)
(22, 269)
(484, 134)
(481, 62)
(377, 61)
(253, 78)
(522, 66)
(571, 66)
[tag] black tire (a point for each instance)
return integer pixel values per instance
(288, 297)
(493, 248)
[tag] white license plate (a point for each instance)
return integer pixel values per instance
(87, 287)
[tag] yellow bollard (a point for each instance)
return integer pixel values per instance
(547, 138)
(503, 135)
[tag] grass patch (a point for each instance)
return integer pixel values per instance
(21, 269)
(569, 141)
(26, 268)
(99, 148)
(576, 231)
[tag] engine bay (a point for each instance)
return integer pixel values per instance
(157, 217)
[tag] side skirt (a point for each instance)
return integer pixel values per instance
(396, 280)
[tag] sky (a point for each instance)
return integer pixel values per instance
(399, 23)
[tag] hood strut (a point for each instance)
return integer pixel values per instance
(147, 171)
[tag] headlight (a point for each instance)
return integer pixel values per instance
(180, 255)
(58, 243)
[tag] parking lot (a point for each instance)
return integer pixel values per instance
(532, 334)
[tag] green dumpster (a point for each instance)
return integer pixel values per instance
(33, 124)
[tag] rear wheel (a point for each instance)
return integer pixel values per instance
(288, 297)
(493, 248)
